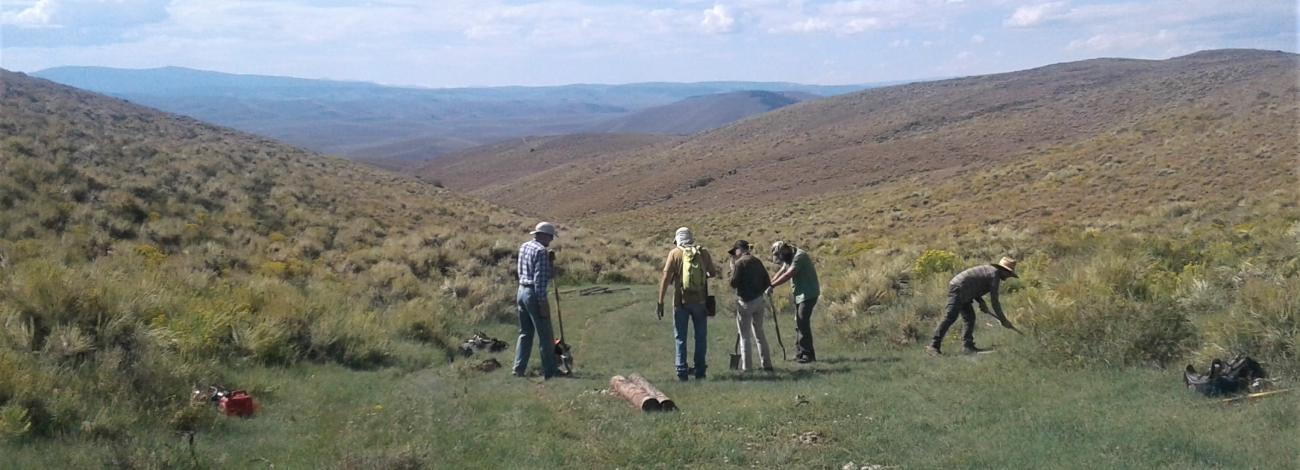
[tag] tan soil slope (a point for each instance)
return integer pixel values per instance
(917, 135)
(488, 167)
(702, 113)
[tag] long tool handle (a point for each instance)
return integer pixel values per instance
(1256, 395)
(558, 312)
(772, 308)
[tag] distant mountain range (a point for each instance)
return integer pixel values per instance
(367, 120)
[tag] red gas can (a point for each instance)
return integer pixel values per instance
(237, 403)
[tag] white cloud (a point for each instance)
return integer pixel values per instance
(37, 15)
(1118, 42)
(858, 25)
(469, 42)
(811, 25)
(87, 13)
(1034, 15)
(718, 20)
(850, 17)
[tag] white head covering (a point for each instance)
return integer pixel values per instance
(684, 237)
(777, 248)
(545, 227)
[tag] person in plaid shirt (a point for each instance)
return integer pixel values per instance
(534, 311)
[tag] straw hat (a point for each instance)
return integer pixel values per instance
(1008, 264)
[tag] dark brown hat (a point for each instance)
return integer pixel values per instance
(740, 245)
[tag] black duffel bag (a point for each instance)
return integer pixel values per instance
(1224, 378)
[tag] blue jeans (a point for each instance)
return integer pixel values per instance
(531, 322)
(695, 313)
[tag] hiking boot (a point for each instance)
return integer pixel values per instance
(804, 359)
(933, 350)
(972, 349)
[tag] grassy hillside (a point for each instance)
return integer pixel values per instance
(481, 169)
(1153, 202)
(143, 254)
(880, 406)
(1156, 218)
(1167, 238)
(701, 113)
(1124, 132)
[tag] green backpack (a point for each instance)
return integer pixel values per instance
(693, 277)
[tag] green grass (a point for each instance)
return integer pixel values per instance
(872, 405)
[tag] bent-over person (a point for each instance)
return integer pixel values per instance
(797, 267)
(968, 287)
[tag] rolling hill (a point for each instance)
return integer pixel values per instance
(366, 120)
(701, 113)
(1081, 139)
(482, 168)
(144, 254)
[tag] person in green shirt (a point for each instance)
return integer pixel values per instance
(797, 267)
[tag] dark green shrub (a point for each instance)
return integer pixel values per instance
(1265, 323)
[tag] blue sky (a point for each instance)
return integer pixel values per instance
(513, 42)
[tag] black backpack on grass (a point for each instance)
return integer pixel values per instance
(1224, 378)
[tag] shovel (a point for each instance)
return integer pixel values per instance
(563, 352)
(734, 360)
(735, 355)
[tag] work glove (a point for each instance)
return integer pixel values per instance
(659, 310)
(543, 310)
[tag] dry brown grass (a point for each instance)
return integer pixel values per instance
(139, 249)
(486, 168)
(1071, 140)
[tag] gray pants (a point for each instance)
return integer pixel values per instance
(803, 340)
(957, 305)
(532, 323)
(749, 321)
